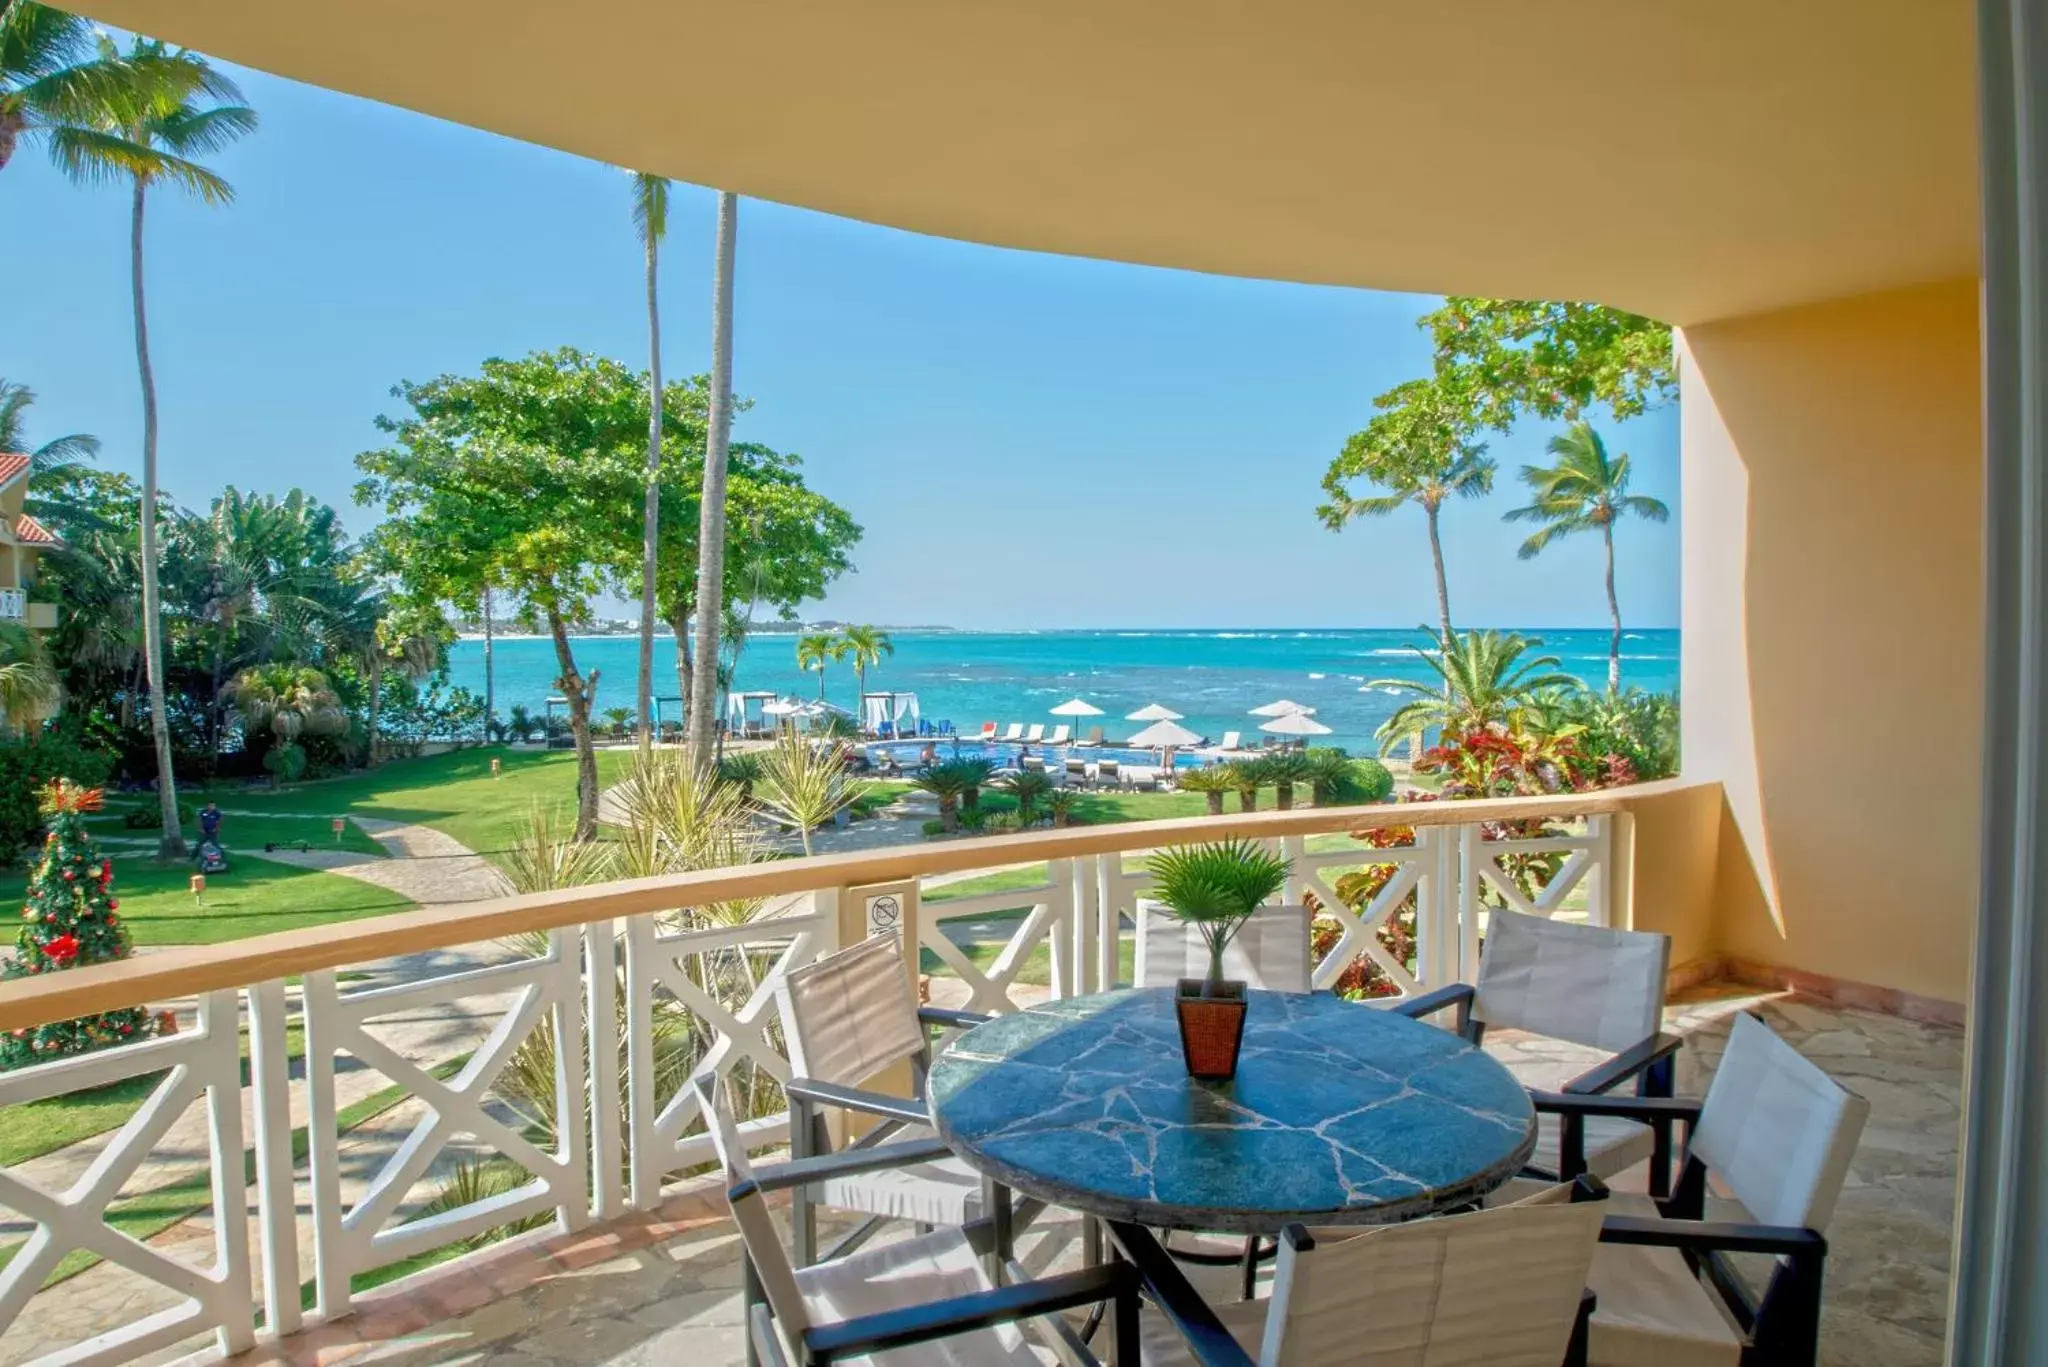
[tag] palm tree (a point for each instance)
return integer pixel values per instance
(56, 457)
(815, 651)
(52, 77)
(148, 131)
(1420, 450)
(29, 690)
(650, 216)
(1482, 680)
(1211, 781)
(865, 646)
(289, 701)
(711, 507)
(1284, 769)
(1585, 491)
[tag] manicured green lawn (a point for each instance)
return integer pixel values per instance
(240, 834)
(453, 793)
(254, 897)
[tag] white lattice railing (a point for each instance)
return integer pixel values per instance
(614, 995)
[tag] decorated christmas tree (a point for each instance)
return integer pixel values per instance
(70, 920)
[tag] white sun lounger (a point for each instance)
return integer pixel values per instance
(1059, 735)
(1035, 734)
(1232, 740)
(1016, 731)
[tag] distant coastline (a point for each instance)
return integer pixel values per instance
(471, 631)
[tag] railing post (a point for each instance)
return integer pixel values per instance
(1065, 981)
(321, 1006)
(642, 1106)
(1600, 892)
(219, 1014)
(607, 1144)
(1470, 852)
(1085, 889)
(276, 1201)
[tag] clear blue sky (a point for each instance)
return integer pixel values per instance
(1028, 440)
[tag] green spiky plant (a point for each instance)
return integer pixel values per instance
(1246, 777)
(1483, 678)
(1216, 888)
(1059, 804)
(805, 785)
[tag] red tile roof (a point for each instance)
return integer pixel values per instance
(30, 532)
(12, 467)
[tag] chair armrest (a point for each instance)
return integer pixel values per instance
(1648, 1109)
(799, 1172)
(1637, 1058)
(868, 1334)
(854, 1099)
(1706, 1236)
(944, 1015)
(1209, 1343)
(1459, 995)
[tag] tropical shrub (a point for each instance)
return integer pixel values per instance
(950, 781)
(24, 772)
(974, 818)
(151, 817)
(1335, 778)
(1283, 769)
(1059, 804)
(1482, 680)
(1245, 776)
(743, 771)
(1212, 781)
(805, 785)
(1028, 786)
(618, 717)
(1002, 823)
(521, 724)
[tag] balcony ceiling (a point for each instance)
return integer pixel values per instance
(1686, 160)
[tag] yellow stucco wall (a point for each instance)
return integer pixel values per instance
(1833, 630)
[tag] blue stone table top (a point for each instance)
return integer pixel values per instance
(1339, 1114)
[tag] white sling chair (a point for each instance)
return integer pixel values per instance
(922, 1302)
(1776, 1134)
(1584, 985)
(847, 1018)
(1504, 1287)
(1269, 951)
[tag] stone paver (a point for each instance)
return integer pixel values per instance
(426, 865)
(664, 1288)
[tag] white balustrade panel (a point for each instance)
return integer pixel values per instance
(1483, 871)
(354, 1237)
(673, 966)
(204, 1065)
(1048, 920)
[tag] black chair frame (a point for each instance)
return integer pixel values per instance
(1020, 1299)
(1780, 1327)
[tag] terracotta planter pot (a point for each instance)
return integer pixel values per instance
(1211, 1028)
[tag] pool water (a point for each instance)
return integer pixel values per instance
(906, 753)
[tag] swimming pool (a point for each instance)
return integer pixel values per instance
(906, 753)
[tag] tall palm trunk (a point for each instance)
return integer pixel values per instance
(1613, 611)
(172, 844)
(1443, 586)
(711, 528)
(651, 517)
(376, 671)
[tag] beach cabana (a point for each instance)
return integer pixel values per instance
(887, 714)
(744, 713)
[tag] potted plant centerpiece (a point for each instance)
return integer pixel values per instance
(1215, 888)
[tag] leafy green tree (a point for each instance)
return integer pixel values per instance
(1554, 360)
(650, 217)
(1419, 448)
(522, 477)
(1586, 491)
(29, 688)
(149, 131)
(1482, 680)
(865, 646)
(703, 721)
(815, 650)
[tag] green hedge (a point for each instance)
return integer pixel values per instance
(25, 768)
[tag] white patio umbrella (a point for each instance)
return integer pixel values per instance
(1152, 711)
(1282, 708)
(1295, 724)
(1162, 735)
(1075, 707)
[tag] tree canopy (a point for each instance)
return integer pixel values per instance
(1510, 357)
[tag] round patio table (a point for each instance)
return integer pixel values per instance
(1339, 1114)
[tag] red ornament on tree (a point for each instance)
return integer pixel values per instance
(62, 949)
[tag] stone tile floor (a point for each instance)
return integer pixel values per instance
(663, 1288)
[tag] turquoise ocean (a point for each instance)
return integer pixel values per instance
(1214, 677)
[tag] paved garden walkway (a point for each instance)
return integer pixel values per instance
(424, 864)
